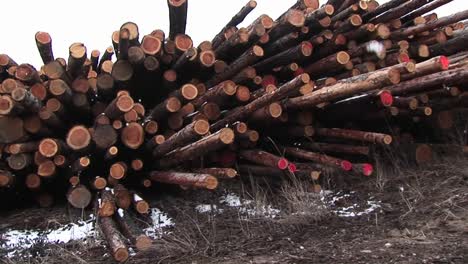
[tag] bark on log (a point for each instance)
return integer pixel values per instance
(114, 239)
(196, 180)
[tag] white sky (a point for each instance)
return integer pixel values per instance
(93, 21)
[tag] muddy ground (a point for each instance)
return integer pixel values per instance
(421, 217)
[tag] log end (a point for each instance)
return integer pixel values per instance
(282, 164)
(309, 131)
(79, 197)
(48, 147)
(207, 58)
(173, 105)
(226, 136)
(386, 98)
(329, 10)
(143, 242)
(189, 91)
(292, 167)
(183, 42)
(296, 18)
(100, 183)
(151, 45)
(211, 182)
(346, 165)
(142, 207)
(125, 103)
(306, 48)
(201, 127)
(121, 254)
(367, 169)
(257, 51)
(33, 181)
(342, 57)
(444, 63)
(423, 154)
(387, 139)
(176, 3)
(117, 171)
(394, 76)
(78, 138)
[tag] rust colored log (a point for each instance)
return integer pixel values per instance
(263, 101)
(242, 94)
(185, 136)
(353, 22)
(119, 106)
(50, 147)
(371, 137)
(346, 87)
(60, 161)
(27, 74)
(133, 135)
(151, 127)
(163, 109)
(107, 55)
(78, 138)
(80, 164)
(46, 169)
(123, 197)
(140, 205)
(441, 22)
(235, 20)
(114, 239)
(44, 45)
(319, 158)
(449, 77)
(76, 59)
(262, 91)
(107, 66)
(6, 62)
(137, 164)
(104, 136)
(111, 153)
(79, 196)
(129, 229)
(196, 180)
(32, 181)
(106, 204)
(19, 162)
(117, 124)
(205, 145)
(264, 158)
(331, 62)
(156, 140)
(118, 170)
(220, 173)
(151, 45)
(398, 10)
(10, 107)
(295, 54)
(182, 43)
(122, 71)
(98, 183)
(336, 148)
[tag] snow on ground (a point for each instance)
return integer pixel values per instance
(18, 240)
(160, 220)
(334, 200)
(337, 202)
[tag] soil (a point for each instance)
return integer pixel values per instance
(418, 221)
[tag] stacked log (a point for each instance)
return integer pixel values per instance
(320, 88)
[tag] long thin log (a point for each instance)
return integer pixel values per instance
(205, 145)
(206, 181)
(114, 239)
(264, 158)
(276, 95)
(371, 137)
(44, 45)
(320, 158)
(130, 230)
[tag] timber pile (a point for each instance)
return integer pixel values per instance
(329, 84)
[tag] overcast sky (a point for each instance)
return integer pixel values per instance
(93, 21)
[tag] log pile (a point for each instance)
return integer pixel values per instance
(329, 84)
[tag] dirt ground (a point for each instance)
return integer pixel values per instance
(422, 217)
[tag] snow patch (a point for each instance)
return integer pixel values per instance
(206, 208)
(333, 200)
(160, 220)
(18, 240)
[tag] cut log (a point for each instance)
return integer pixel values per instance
(79, 196)
(196, 180)
(114, 239)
